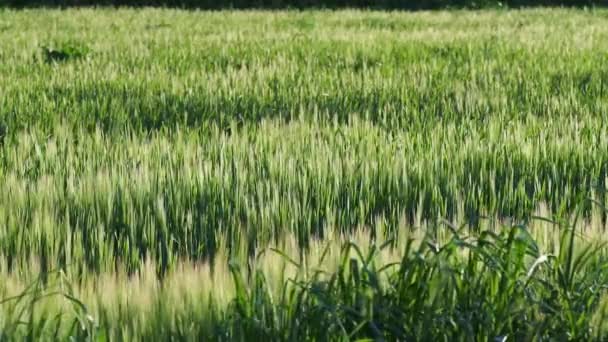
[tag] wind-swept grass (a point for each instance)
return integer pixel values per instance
(147, 156)
(508, 282)
(109, 199)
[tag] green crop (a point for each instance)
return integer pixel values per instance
(190, 175)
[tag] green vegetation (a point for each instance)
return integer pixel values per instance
(187, 175)
(314, 4)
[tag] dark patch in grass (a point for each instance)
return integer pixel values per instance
(157, 26)
(64, 52)
(3, 132)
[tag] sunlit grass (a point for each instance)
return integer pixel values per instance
(200, 175)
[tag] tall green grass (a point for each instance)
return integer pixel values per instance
(142, 150)
(95, 200)
(439, 282)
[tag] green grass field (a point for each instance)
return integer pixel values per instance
(315, 175)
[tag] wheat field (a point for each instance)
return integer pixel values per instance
(303, 175)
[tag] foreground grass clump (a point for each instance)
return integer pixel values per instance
(147, 156)
(494, 284)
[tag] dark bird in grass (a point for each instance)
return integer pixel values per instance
(69, 50)
(51, 55)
